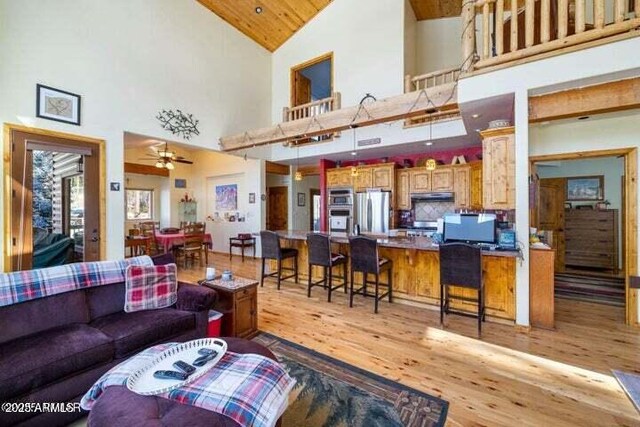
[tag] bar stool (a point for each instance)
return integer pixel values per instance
(319, 247)
(270, 243)
(461, 265)
(365, 259)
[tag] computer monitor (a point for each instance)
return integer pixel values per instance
(471, 228)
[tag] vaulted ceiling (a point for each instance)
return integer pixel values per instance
(274, 24)
(434, 9)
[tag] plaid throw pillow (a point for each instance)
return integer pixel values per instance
(150, 287)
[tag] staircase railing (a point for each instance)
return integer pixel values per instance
(514, 30)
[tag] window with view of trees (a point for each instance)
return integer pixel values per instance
(139, 204)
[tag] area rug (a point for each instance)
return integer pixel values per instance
(604, 290)
(333, 393)
(631, 385)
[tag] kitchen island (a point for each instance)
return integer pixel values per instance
(416, 273)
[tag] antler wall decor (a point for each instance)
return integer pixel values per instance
(178, 123)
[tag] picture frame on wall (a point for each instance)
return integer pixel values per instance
(58, 105)
(180, 183)
(585, 188)
(252, 198)
(302, 199)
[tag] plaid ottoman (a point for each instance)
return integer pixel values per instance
(119, 406)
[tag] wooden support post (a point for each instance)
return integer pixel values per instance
(407, 84)
(337, 101)
(580, 20)
(545, 20)
(285, 114)
(529, 22)
(563, 18)
(514, 26)
(468, 35)
(598, 13)
(636, 6)
(619, 10)
(499, 27)
(486, 31)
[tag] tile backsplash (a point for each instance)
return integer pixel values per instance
(430, 211)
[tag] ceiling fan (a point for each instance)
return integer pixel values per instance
(166, 159)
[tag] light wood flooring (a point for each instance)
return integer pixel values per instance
(508, 378)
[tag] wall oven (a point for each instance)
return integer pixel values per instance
(340, 219)
(340, 197)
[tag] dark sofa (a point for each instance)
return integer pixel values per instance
(53, 349)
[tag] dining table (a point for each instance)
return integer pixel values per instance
(166, 242)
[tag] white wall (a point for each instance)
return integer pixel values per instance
(438, 44)
(611, 167)
(128, 60)
(366, 39)
(301, 215)
(410, 39)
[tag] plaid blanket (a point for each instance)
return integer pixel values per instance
(21, 286)
(248, 388)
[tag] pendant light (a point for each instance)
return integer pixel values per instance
(298, 175)
(354, 168)
(431, 162)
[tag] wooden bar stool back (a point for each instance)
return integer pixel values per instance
(319, 248)
(270, 244)
(365, 259)
(461, 266)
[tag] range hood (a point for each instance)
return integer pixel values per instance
(445, 196)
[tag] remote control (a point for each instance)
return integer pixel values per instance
(202, 360)
(207, 351)
(170, 375)
(184, 367)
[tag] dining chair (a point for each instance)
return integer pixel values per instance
(461, 266)
(192, 245)
(149, 229)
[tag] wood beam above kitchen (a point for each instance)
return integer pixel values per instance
(412, 104)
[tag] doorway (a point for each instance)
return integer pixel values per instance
(51, 217)
(277, 208)
(583, 211)
(314, 206)
(312, 80)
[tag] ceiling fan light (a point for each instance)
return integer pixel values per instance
(159, 164)
(169, 166)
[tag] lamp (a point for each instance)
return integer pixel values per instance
(169, 166)
(159, 164)
(80, 166)
(431, 162)
(298, 175)
(354, 170)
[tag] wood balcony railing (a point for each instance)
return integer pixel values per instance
(311, 109)
(427, 81)
(518, 29)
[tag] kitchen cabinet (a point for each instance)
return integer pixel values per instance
(498, 168)
(403, 198)
(364, 179)
(419, 180)
(541, 288)
(442, 179)
(462, 186)
(383, 176)
(339, 177)
(475, 196)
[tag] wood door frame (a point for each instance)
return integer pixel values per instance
(312, 192)
(630, 262)
(8, 128)
(296, 68)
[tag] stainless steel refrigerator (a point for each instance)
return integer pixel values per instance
(372, 211)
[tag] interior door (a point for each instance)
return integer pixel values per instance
(302, 87)
(551, 214)
(21, 209)
(278, 208)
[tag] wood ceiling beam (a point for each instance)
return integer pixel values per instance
(602, 98)
(277, 168)
(145, 169)
(412, 104)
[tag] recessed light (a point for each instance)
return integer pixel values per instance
(475, 116)
(478, 130)
(353, 153)
(428, 143)
(258, 10)
(583, 118)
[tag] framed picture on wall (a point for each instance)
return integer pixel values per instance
(58, 105)
(585, 188)
(180, 183)
(302, 200)
(252, 198)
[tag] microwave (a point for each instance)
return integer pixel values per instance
(341, 197)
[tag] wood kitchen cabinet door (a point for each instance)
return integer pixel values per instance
(498, 168)
(475, 179)
(420, 181)
(403, 199)
(383, 177)
(339, 177)
(442, 179)
(462, 186)
(364, 179)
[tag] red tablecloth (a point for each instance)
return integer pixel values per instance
(167, 241)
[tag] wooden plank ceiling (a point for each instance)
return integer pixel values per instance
(434, 9)
(278, 21)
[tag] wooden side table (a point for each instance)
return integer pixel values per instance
(242, 242)
(238, 302)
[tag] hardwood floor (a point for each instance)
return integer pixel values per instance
(508, 378)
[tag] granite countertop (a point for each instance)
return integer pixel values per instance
(415, 243)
